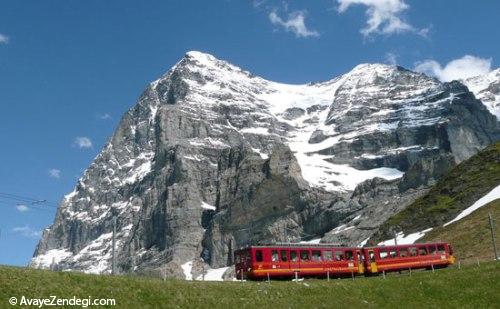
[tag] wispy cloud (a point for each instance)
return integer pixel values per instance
(383, 16)
(461, 68)
(22, 208)
(4, 39)
(391, 58)
(104, 116)
(82, 142)
(295, 22)
(27, 231)
(55, 173)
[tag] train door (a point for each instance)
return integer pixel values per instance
(372, 261)
(360, 260)
(284, 259)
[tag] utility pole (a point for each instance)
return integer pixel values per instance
(395, 238)
(132, 253)
(492, 229)
(113, 267)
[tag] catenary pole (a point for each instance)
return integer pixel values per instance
(492, 229)
(113, 261)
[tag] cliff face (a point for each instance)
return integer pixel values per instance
(212, 158)
(487, 89)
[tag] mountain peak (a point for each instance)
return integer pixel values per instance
(200, 57)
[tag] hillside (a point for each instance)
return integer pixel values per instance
(471, 287)
(471, 236)
(456, 191)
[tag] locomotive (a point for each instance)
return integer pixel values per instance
(288, 260)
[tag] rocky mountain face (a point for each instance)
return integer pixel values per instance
(487, 89)
(213, 158)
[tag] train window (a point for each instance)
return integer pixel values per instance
(339, 255)
(413, 251)
(432, 249)
(393, 253)
(422, 251)
(316, 255)
(372, 256)
(403, 252)
(349, 255)
(441, 249)
(327, 255)
(304, 255)
(293, 256)
(258, 255)
(284, 256)
(383, 254)
(274, 256)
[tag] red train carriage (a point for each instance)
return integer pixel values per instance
(321, 260)
(415, 256)
(284, 261)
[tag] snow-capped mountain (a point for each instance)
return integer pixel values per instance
(213, 158)
(487, 89)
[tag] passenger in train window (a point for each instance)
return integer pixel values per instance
(383, 254)
(327, 255)
(339, 255)
(274, 256)
(422, 251)
(316, 255)
(393, 253)
(413, 251)
(284, 256)
(403, 252)
(294, 256)
(432, 249)
(304, 255)
(372, 256)
(441, 249)
(349, 255)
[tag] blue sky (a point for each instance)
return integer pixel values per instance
(69, 69)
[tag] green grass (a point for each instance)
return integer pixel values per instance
(469, 287)
(454, 192)
(471, 236)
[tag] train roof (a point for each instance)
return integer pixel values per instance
(323, 245)
(294, 245)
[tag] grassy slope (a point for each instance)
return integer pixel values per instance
(473, 287)
(471, 236)
(457, 190)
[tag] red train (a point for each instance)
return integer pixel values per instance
(322, 260)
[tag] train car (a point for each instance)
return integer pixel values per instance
(403, 257)
(322, 260)
(304, 260)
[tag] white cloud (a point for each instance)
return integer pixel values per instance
(55, 173)
(27, 231)
(4, 39)
(104, 116)
(391, 58)
(295, 23)
(82, 142)
(22, 208)
(461, 68)
(384, 16)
